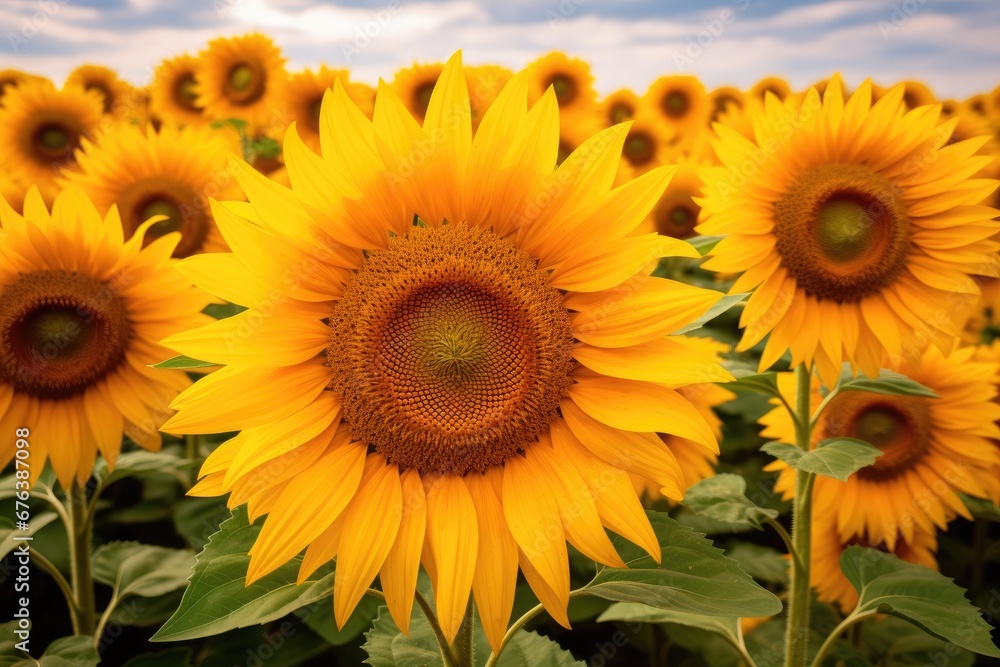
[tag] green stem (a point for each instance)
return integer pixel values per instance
(447, 654)
(192, 453)
(783, 534)
(78, 530)
(853, 618)
(741, 646)
(464, 640)
(799, 596)
(511, 631)
(58, 577)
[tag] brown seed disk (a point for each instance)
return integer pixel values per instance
(60, 333)
(450, 350)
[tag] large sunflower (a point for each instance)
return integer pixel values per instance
(41, 127)
(172, 172)
(242, 77)
(855, 224)
(173, 97)
(570, 78)
(463, 353)
(304, 97)
(117, 96)
(827, 545)
(81, 311)
(932, 448)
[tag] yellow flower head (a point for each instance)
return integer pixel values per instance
(723, 99)
(618, 107)
(932, 449)
(570, 78)
(172, 173)
(676, 213)
(81, 310)
(414, 85)
(770, 84)
(485, 83)
(855, 224)
(304, 97)
(173, 97)
(118, 97)
(472, 348)
(680, 100)
(11, 78)
(41, 127)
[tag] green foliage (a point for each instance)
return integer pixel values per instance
(838, 458)
(723, 498)
(887, 382)
(182, 363)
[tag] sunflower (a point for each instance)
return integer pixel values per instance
(172, 93)
(171, 172)
(827, 545)
(40, 127)
(647, 145)
(571, 80)
(770, 84)
(696, 462)
(242, 77)
(982, 324)
(117, 96)
(81, 309)
(681, 101)
(855, 224)
(12, 192)
(676, 213)
(485, 83)
(618, 107)
(932, 448)
(414, 86)
(916, 95)
(723, 98)
(979, 105)
(11, 78)
(443, 347)
(304, 96)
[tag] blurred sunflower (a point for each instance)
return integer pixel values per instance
(932, 449)
(304, 96)
(171, 172)
(485, 83)
(770, 84)
(978, 104)
(855, 224)
(647, 145)
(41, 127)
(81, 311)
(12, 192)
(681, 101)
(827, 545)
(618, 107)
(117, 96)
(983, 320)
(11, 78)
(723, 98)
(414, 86)
(571, 80)
(173, 97)
(242, 77)
(444, 349)
(916, 94)
(676, 213)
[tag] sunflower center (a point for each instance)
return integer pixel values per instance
(313, 114)
(639, 148)
(60, 333)
(245, 83)
(676, 104)
(422, 97)
(564, 87)
(450, 350)
(54, 142)
(185, 208)
(842, 232)
(676, 214)
(184, 92)
(620, 112)
(899, 426)
(106, 97)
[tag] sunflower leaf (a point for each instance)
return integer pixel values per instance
(693, 576)
(888, 382)
(723, 498)
(721, 306)
(836, 457)
(704, 244)
(917, 594)
(217, 599)
(748, 380)
(181, 363)
(636, 612)
(9, 534)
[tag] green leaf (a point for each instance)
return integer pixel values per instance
(386, 646)
(887, 382)
(197, 519)
(721, 306)
(761, 563)
(182, 363)
(704, 244)
(140, 569)
(139, 463)
(75, 651)
(217, 599)
(748, 380)
(694, 576)
(266, 147)
(530, 649)
(723, 498)
(174, 657)
(237, 123)
(896, 643)
(636, 612)
(914, 593)
(319, 618)
(837, 457)
(8, 532)
(981, 508)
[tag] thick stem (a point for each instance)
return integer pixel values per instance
(799, 594)
(78, 531)
(447, 654)
(464, 640)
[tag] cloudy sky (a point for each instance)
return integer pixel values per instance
(953, 45)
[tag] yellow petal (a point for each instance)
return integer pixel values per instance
(666, 361)
(399, 572)
(453, 536)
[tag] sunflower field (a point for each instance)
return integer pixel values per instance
(479, 368)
